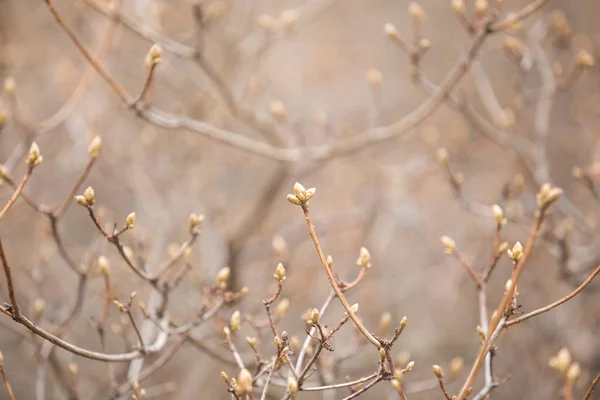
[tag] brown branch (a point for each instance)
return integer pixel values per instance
(15, 311)
(588, 394)
(17, 192)
(332, 281)
(74, 189)
(11, 394)
(556, 303)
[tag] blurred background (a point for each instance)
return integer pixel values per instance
(304, 73)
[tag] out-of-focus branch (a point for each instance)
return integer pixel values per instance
(316, 153)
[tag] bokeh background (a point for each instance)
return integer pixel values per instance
(393, 198)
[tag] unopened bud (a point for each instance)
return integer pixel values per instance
(294, 200)
(481, 7)
(266, 22)
(449, 244)
(415, 11)
(282, 307)
(374, 77)
(364, 258)
(130, 220)
(438, 371)
(89, 196)
(584, 59)
(573, 372)
(154, 55)
(385, 322)
(235, 321)
(410, 366)
(278, 111)
(34, 158)
(38, 307)
(458, 6)
(244, 382)
(354, 308)
(10, 86)
(279, 273)
(73, 368)
(314, 316)
(442, 155)
(456, 367)
(289, 18)
(224, 376)
(516, 253)
(498, 215)
(403, 322)
(396, 384)
(95, 146)
(195, 220)
(561, 361)
(222, 277)
(292, 385)
(391, 31)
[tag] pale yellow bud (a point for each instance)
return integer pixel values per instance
(224, 376)
(449, 244)
(374, 76)
(442, 156)
(384, 322)
(73, 368)
(438, 371)
(561, 361)
(38, 307)
(279, 273)
(294, 200)
(266, 23)
(391, 31)
(516, 253)
(364, 258)
(577, 172)
(314, 316)
(283, 307)
(354, 308)
(244, 382)
(89, 196)
(130, 220)
(403, 322)
(95, 146)
(251, 341)
(498, 215)
(458, 6)
(222, 277)
(584, 59)
(289, 18)
(456, 367)
(34, 158)
(1, 359)
(195, 220)
(396, 384)
(310, 192)
(415, 11)
(299, 191)
(10, 86)
(410, 366)
(154, 56)
(292, 385)
(481, 7)
(278, 110)
(235, 321)
(502, 247)
(573, 372)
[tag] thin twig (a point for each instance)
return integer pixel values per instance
(17, 192)
(588, 394)
(556, 303)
